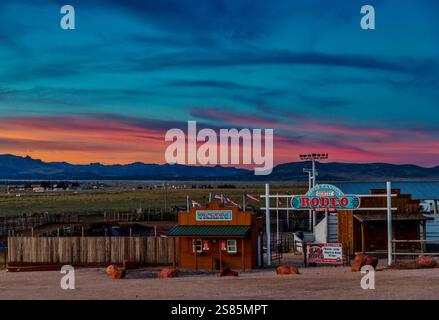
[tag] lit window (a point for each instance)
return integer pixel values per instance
(206, 245)
(231, 246)
(197, 245)
(223, 245)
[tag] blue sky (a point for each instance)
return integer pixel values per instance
(108, 90)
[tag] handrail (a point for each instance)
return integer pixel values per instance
(416, 241)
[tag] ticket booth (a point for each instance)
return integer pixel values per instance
(217, 236)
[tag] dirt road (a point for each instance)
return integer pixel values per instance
(313, 283)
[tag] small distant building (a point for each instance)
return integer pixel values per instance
(216, 236)
(38, 189)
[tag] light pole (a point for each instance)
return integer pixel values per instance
(309, 188)
(312, 174)
(313, 157)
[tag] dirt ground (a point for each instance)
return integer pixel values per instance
(313, 283)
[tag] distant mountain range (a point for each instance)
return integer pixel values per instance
(14, 167)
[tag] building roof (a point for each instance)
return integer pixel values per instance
(365, 217)
(210, 231)
(418, 190)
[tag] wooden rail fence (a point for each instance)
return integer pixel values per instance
(92, 251)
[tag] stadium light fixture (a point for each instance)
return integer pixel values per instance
(313, 157)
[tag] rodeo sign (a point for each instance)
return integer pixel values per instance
(325, 197)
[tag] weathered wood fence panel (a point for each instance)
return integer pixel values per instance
(99, 251)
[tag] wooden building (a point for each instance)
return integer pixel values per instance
(217, 236)
(366, 231)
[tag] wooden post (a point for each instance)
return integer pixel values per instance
(424, 230)
(220, 256)
(424, 236)
(304, 249)
(393, 231)
(173, 252)
(243, 254)
(363, 244)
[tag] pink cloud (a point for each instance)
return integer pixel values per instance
(113, 139)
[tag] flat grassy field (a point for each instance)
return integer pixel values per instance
(122, 200)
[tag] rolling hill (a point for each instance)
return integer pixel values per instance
(17, 168)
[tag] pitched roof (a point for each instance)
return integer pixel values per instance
(190, 230)
(362, 217)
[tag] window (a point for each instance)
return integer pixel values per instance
(206, 245)
(231, 246)
(197, 245)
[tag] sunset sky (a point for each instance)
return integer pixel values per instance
(109, 90)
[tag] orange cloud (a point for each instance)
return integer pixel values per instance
(109, 139)
(81, 140)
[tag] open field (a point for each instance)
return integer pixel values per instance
(313, 283)
(120, 200)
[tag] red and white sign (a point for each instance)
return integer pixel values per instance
(330, 253)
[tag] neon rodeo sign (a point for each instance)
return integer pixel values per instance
(325, 197)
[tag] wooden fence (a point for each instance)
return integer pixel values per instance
(92, 251)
